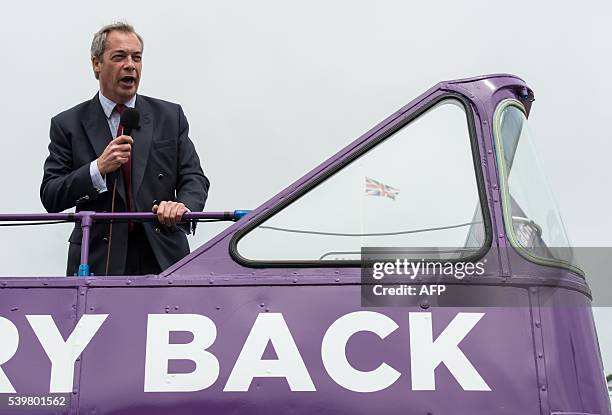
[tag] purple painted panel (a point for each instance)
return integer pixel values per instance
(113, 366)
(572, 354)
(29, 369)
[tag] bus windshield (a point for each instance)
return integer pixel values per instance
(531, 215)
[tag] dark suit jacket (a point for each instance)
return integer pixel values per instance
(165, 166)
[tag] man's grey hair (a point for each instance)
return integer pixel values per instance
(98, 44)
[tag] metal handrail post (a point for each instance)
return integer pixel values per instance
(86, 219)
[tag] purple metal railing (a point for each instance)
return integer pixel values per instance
(87, 218)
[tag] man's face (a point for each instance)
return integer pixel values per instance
(120, 67)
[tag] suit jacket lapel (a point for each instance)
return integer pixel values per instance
(142, 143)
(96, 126)
(99, 135)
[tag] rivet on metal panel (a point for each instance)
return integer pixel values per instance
(543, 388)
(267, 309)
(4, 283)
(129, 282)
(91, 309)
(218, 308)
(170, 282)
(337, 279)
(82, 293)
(14, 309)
(176, 307)
(489, 151)
(540, 355)
(336, 272)
(211, 281)
(484, 121)
(262, 305)
(212, 273)
(501, 236)
(537, 323)
(424, 304)
(88, 282)
(45, 283)
(295, 280)
(533, 290)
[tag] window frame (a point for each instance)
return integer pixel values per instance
(505, 193)
(349, 158)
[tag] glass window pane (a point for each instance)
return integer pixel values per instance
(417, 188)
(536, 222)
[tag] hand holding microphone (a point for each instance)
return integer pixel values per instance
(116, 153)
(119, 150)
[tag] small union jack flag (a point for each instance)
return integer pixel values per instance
(374, 188)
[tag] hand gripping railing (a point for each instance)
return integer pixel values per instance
(87, 218)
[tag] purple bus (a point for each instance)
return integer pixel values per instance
(423, 269)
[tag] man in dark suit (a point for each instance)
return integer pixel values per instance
(93, 166)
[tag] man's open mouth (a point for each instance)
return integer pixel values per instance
(128, 80)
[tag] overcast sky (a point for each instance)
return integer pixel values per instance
(272, 88)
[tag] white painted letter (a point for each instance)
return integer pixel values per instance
(8, 347)
(426, 354)
(333, 352)
(269, 327)
(63, 354)
(160, 351)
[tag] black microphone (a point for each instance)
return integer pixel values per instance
(130, 120)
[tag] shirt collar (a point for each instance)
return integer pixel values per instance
(108, 106)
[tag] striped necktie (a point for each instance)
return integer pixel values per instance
(126, 168)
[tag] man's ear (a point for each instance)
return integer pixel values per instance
(95, 64)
